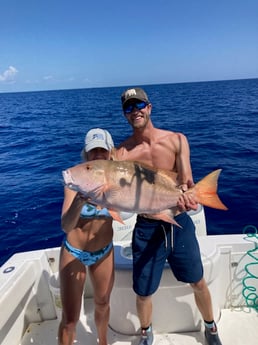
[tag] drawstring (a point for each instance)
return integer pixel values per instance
(165, 235)
(172, 236)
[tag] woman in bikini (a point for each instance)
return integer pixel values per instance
(88, 244)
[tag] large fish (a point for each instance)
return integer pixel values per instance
(131, 186)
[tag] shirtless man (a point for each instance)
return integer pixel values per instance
(165, 150)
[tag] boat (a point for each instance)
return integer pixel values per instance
(30, 305)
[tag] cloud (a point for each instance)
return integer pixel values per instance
(48, 77)
(8, 76)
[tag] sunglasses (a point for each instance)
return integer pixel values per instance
(138, 105)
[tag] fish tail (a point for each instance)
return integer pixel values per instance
(206, 191)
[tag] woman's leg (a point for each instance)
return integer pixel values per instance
(72, 278)
(102, 277)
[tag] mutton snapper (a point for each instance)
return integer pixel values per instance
(131, 186)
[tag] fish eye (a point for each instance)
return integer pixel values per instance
(122, 182)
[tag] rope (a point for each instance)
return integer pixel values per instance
(249, 292)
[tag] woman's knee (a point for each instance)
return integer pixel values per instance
(102, 301)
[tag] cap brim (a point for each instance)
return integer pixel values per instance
(137, 98)
(96, 144)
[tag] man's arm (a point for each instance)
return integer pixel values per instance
(187, 201)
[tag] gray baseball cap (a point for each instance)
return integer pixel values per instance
(134, 93)
(98, 137)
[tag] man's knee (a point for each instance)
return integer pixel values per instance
(199, 286)
(143, 298)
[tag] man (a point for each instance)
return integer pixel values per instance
(152, 239)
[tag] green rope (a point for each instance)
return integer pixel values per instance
(249, 292)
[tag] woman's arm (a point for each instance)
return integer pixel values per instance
(71, 209)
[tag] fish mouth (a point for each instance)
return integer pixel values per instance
(68, 179)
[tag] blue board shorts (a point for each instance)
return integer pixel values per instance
(155, 242)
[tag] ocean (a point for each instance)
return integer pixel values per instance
(42, 133)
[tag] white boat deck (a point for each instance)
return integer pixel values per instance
(238, 327)
(30, 298)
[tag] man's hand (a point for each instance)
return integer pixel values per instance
(187, 201)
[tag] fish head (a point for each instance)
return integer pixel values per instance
(87, 178)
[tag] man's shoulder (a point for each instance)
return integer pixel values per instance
(119, 152)
(127, 143)
(164, 133)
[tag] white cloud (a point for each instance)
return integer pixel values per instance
(48, 77)
(8, 76)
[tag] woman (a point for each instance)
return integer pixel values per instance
(88, 243)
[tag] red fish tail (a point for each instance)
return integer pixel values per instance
(206, 191)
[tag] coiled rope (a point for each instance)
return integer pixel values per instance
(249, 291)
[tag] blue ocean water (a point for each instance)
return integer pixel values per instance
(42, 133)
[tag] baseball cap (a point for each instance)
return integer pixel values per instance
(135, 93)
(98, 137)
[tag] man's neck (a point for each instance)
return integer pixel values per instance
(143, 133)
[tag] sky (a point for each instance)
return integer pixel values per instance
(70, 44)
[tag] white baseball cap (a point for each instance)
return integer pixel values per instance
(98, 137)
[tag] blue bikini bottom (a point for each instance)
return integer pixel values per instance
(88, 258)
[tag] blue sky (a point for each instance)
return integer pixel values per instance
(61, 44)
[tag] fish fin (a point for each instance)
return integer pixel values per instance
(168, 219)
(171, 174)
(116, 216)
(113, 155)
(166, 216)
(206, 191)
